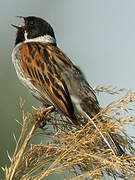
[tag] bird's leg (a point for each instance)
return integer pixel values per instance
(41, 115)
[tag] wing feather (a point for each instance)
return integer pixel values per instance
(43, 65)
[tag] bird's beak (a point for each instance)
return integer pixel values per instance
(19, 26)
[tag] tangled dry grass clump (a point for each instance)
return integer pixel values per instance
(77, 153)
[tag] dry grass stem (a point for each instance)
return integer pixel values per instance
(78, 153)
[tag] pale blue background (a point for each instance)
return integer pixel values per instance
(98, 35)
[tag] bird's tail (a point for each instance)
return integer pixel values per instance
(113, 145)
(110, 141)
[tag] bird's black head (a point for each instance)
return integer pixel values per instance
(33, 27)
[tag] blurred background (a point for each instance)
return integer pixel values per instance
(98, 36)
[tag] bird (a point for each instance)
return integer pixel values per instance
(51, 76)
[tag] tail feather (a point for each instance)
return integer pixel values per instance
(109, 139)
(114, 145)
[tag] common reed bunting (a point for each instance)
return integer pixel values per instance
(51, 77)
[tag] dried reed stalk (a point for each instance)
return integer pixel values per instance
(77, 153)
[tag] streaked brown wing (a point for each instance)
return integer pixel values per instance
(42, 63)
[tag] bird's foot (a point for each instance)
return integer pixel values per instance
(40, 116)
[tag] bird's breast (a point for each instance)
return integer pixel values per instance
(25, 80)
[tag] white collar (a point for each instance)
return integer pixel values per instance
(43, 39)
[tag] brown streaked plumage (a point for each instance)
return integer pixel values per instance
(52, 77)
(41, 62)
